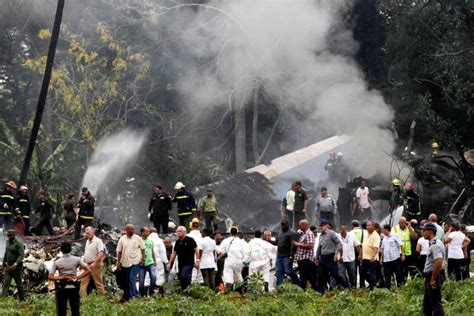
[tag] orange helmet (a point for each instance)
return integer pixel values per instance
(11, 184)
(409, 186)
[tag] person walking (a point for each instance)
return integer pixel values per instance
(326, 206)
(187, 252)
(161, 258)
(7, 205)
(432, 304)
(363, 206)
(13, 264)
(69, 207)
(46, 211)
(130, 256)
(208, 209)
(94, 255)
(149, 264)
(23, 208)
(350, 251)
(233, 250)
(259, 258)
(160, 208)
(66, 283)
(369, 257)
(326, 258)
(304, 255)
(185, 204)
(86, 207)
(392, 253)
(207, 254)
(285, 250)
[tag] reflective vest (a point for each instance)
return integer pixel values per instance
(185, 203)
(405, 237)
(7, 203)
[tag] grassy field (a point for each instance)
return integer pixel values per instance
(458, 298)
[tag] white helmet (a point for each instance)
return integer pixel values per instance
(178, 186)
(171, 225)
(340, 154)
(23, 188)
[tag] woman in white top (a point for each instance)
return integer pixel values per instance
(457, 244)
(208, 263)
(422, 248)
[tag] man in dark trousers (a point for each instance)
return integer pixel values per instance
(185, 204)
(23, 207)
(46, 211)
(329, 246)
(305, 254)
(301, 204)
(160, 208)
(284, 260)
(7, 205)
(185, 249)
(13, 264)
(86, 212)
(67, 282)
(432, 304)
(69, 212)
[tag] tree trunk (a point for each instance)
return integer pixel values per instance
(240, 137)
(255, 149)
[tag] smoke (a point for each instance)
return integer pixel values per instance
(111, 158)
(300, 52)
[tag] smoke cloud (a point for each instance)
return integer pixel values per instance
(111, 158)
(301, 53)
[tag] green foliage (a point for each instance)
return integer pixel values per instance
(197, 300)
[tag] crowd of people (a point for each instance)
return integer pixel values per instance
(365, 255)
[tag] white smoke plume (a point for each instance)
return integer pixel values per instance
(111, 158)
(284, 45)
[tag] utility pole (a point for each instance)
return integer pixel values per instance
(43, 92)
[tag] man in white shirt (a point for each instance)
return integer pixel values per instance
(363, 205)
(233, 250)
(289, 204)
(94, 254)
(208, 263)
(196, 235)
(350, 246)
(130, 255)
(161, 258)
(259, 257)
(271, 241)
(391, 250)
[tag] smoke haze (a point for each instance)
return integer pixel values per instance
(289, 47)
(111, 158)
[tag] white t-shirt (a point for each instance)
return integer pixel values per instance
(259, 251)
(290, 200)
(425, 245)
(207, 259)
(363, 196)
(235, 249)
(455, 245)
(348, 247)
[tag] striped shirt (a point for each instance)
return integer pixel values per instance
(301, 253)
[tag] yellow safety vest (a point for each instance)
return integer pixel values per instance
(405, 237)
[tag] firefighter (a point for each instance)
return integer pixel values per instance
(86, 212)
(434, 150)
(23, 207)
(411, 203)
(330, 166)
(7, 205)
(46, 211)
(185, 203)
(396, 199)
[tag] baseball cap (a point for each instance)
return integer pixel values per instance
(324, 222)
(429, 226)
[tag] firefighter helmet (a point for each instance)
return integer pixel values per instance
(11, 184)
(179, 185)
(396, 182)
(435, 145)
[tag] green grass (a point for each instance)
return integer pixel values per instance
(458, 299)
